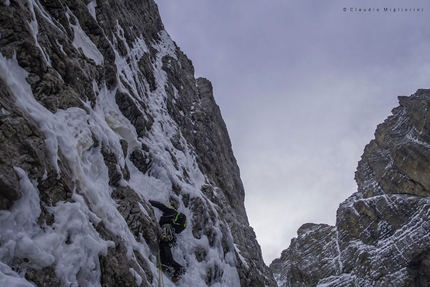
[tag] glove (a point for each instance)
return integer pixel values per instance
(153, 202)
(159, 205)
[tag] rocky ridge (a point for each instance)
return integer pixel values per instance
(100, 111)
(381, 237)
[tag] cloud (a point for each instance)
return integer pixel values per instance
(302, 86)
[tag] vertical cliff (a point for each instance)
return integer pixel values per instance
(100, 111)
(381, 237)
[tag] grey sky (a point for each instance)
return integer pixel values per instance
(301, 85)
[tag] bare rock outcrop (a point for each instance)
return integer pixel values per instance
(381, 237)
(99, 112)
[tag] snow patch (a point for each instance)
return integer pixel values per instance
(82, 41)
(71, 244)
(15, 78)
(92, 8)
(10, 278)
(34, 27)
(80, 136)
(136, 276)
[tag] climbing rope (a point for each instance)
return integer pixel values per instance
(160, 270)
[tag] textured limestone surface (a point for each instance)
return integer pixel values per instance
(100, 111)
(381, 237)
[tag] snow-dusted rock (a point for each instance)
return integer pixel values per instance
(100, 111)
(381, 237)
(301, 264)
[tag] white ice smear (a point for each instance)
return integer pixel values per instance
(81, 40)
(10, 278)
(71, 245)
(14, 77)
(92, 8)
(34, 27)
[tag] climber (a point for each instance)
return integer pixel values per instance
(172, 222)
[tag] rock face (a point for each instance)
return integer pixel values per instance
(314, 241)
(100, 111)
(382, 232)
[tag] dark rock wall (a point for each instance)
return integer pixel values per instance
(72, 53)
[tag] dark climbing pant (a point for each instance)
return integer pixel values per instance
(166, 256)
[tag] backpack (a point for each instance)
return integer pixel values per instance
(177, 219)
(180, 222)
